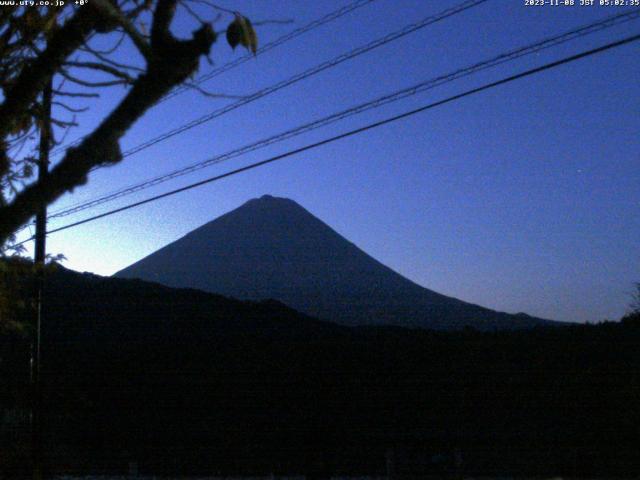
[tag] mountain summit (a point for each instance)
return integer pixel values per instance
(273, 248)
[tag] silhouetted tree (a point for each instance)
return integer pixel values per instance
(38, 43)
(634, 307)
(14, 300)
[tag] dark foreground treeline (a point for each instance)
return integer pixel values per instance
(184, 382)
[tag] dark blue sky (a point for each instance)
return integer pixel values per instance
(522, 198)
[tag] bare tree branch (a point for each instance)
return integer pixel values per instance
(206, 93)
(102, 67)
(64, 123)
(104, 59)
(111, 12)
(70, 109)
(171, 62)
(109, 51)
(34, 76)
(87, 83)
(62, 93)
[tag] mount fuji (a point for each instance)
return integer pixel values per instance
(272, 248)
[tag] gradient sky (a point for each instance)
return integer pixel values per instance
(521, 198)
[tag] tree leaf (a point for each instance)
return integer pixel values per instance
(234, 33)
(241, 32)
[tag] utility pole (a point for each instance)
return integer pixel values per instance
(39, 257)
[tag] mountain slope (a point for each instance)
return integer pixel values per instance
(273, 248)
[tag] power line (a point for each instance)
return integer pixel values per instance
(329, 17)
(411, 28)
(356, 131)
(408, 29)
(276, 43)
(376, 103)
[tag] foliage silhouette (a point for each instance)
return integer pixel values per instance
(187, 382)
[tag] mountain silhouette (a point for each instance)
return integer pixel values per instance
(272, 248)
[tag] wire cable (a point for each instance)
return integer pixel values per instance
(408, 29)
(376, 103)
(331, 16)
(269, 46)
(353, 132)
(430, 20)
